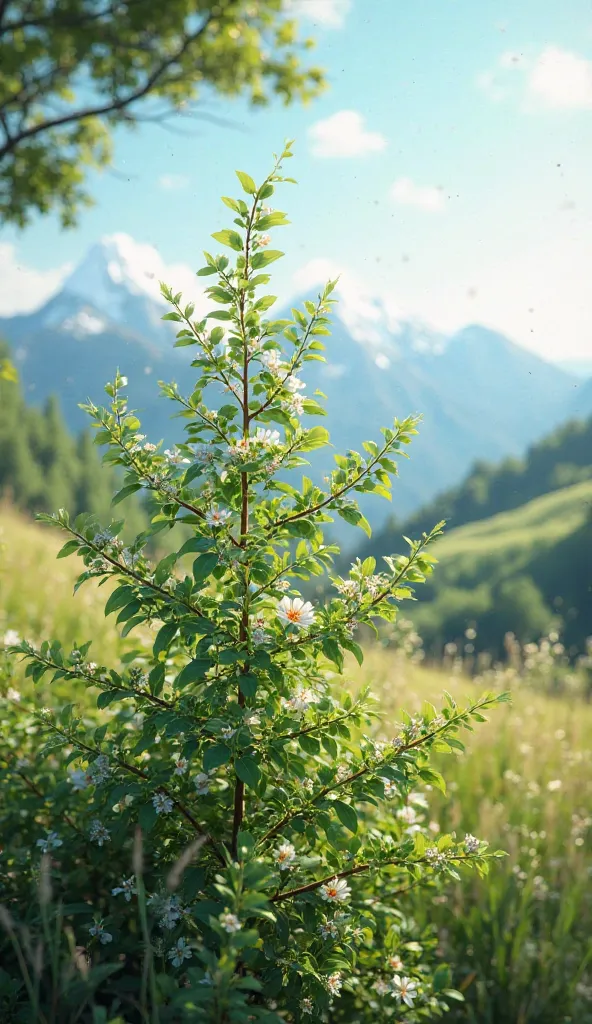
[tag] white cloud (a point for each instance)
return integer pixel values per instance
(331, 13)
(344, 135)
(173, 182)
(23, 288)
(555, 79)
(425, 197)
(560, 80)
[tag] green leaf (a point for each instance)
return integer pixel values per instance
(125, 493)
(265, 256)
(164, 638)
(203, 566)
(68, 548)
(164, 568)
(194, 672)
(248, 685)
(195, 544)
(216, 756)
(230, 238)
(147, 817)
(346, 815)
(248, 771)
(247, 182)
(119, 598)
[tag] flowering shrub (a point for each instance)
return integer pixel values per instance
(223, 839)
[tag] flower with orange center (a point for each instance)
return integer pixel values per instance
(335, 891)
(295, 612)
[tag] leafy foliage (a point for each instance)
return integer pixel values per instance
(138, 59)
(268, 862)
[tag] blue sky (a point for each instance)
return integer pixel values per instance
(446, 169)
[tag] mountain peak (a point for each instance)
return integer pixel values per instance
(116, 265)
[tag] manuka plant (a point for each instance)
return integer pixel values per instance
(278, 835)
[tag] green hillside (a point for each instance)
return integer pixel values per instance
(562, 458)
(525, 570)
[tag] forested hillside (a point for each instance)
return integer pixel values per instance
(562, 458)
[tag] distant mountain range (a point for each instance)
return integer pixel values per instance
(481, 395)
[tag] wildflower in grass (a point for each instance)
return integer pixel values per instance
(98, 833)
(202, 784)
(334, 983)
(404, 990)
(127, 889)
(181, 765)
(230, 922)
(335, 891)
(11, 638)
(51, 842)
(381, 987)
(471, 843)
(307, 1006)
(179, 953)
(97, 930)
(295, 612)
(218, 516)
(162, 803)
(284, 856)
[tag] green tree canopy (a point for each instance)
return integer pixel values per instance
(71, 70)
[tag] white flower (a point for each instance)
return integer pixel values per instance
(282, 585)
(268, 438)
(272, 360)
(11, 638)
(307, 1005)
(162, 803)
(349, 588)
(260, 636)
(343, 772)
(51, 842)
(218, 516)
(334, 983)
(302, 700)
(408, 814)
(329, 930)
(471, 843)
(390, 788)
(295, 612)
(335, 891)
(98, 833)
(395, 962)
(181, 765)
(284, 856)
(264, 239)
(296, 405)
(149, 447)
(179, 953)
(167, 909)
(436, 858)
(202, 784)
(79, 779)
(404, 990)
(230, 922)
(308, 785)
(294, 384)
(98, 930)
(381, 987)
(554, 785)
(175, 456)
(227, 732)
(13, 694)
(126, 889)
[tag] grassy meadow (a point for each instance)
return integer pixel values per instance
(521, 939)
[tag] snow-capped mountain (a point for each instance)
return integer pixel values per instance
(481, 395)
(117, 285)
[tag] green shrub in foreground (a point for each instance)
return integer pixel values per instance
(222, 842)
